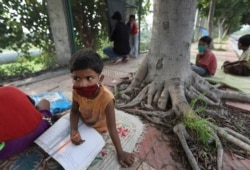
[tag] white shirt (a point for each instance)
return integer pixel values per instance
(246, 56)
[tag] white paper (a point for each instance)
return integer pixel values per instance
(71, 157)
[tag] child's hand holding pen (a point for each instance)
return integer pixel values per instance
(76, 135)
(76, 138)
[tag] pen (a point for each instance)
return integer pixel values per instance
(66, 143)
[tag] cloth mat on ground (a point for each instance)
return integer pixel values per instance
(240, 83)
(130, 130)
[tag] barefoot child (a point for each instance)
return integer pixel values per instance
(92, 102)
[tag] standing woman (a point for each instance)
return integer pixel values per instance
(133, 36)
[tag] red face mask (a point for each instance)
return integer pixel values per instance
(87, 92)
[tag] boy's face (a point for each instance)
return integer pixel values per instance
(202, 43)
(202, 46)
(132, 19)
(85, 78)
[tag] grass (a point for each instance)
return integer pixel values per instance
(199, 126)
(25, 65)
(16, 68)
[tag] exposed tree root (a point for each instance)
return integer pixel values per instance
(181, 132)
(237, 135)
(167, 103)
(238, 142)
(220, 152)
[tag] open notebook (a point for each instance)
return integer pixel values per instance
(56, 142)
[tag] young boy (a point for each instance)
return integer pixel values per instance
(92, 102)
(206, 63)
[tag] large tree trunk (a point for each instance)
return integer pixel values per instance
(171, 39)
(211, 17)
(210, 20)
(167, 63)
(165, 90)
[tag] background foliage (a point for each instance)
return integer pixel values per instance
(24, 25)
(230, 13)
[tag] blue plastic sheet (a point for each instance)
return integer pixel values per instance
(204, 32)
(58, 102)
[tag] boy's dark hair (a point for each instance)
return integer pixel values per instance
(206, 39)
(86, 59)
(245, 40)
(117, 15)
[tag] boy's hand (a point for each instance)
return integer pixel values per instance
(76, 138)
(126, 159)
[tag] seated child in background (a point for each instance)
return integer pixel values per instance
(93, 102)
(241, 67)
(206, 62)
(21, 121)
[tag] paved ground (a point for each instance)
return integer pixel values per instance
(153, 153)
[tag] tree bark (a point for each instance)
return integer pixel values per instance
(210, 20)
(171, 39)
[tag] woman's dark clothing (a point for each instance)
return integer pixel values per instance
(120, 36)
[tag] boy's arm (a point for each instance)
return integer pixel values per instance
(124, 158)
(197, 59)
(111, 124)
(74, 118)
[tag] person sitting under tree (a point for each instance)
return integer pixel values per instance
(242, 66)
(206, 63)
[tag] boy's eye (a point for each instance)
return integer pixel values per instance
(76, 78)
(90, 78)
